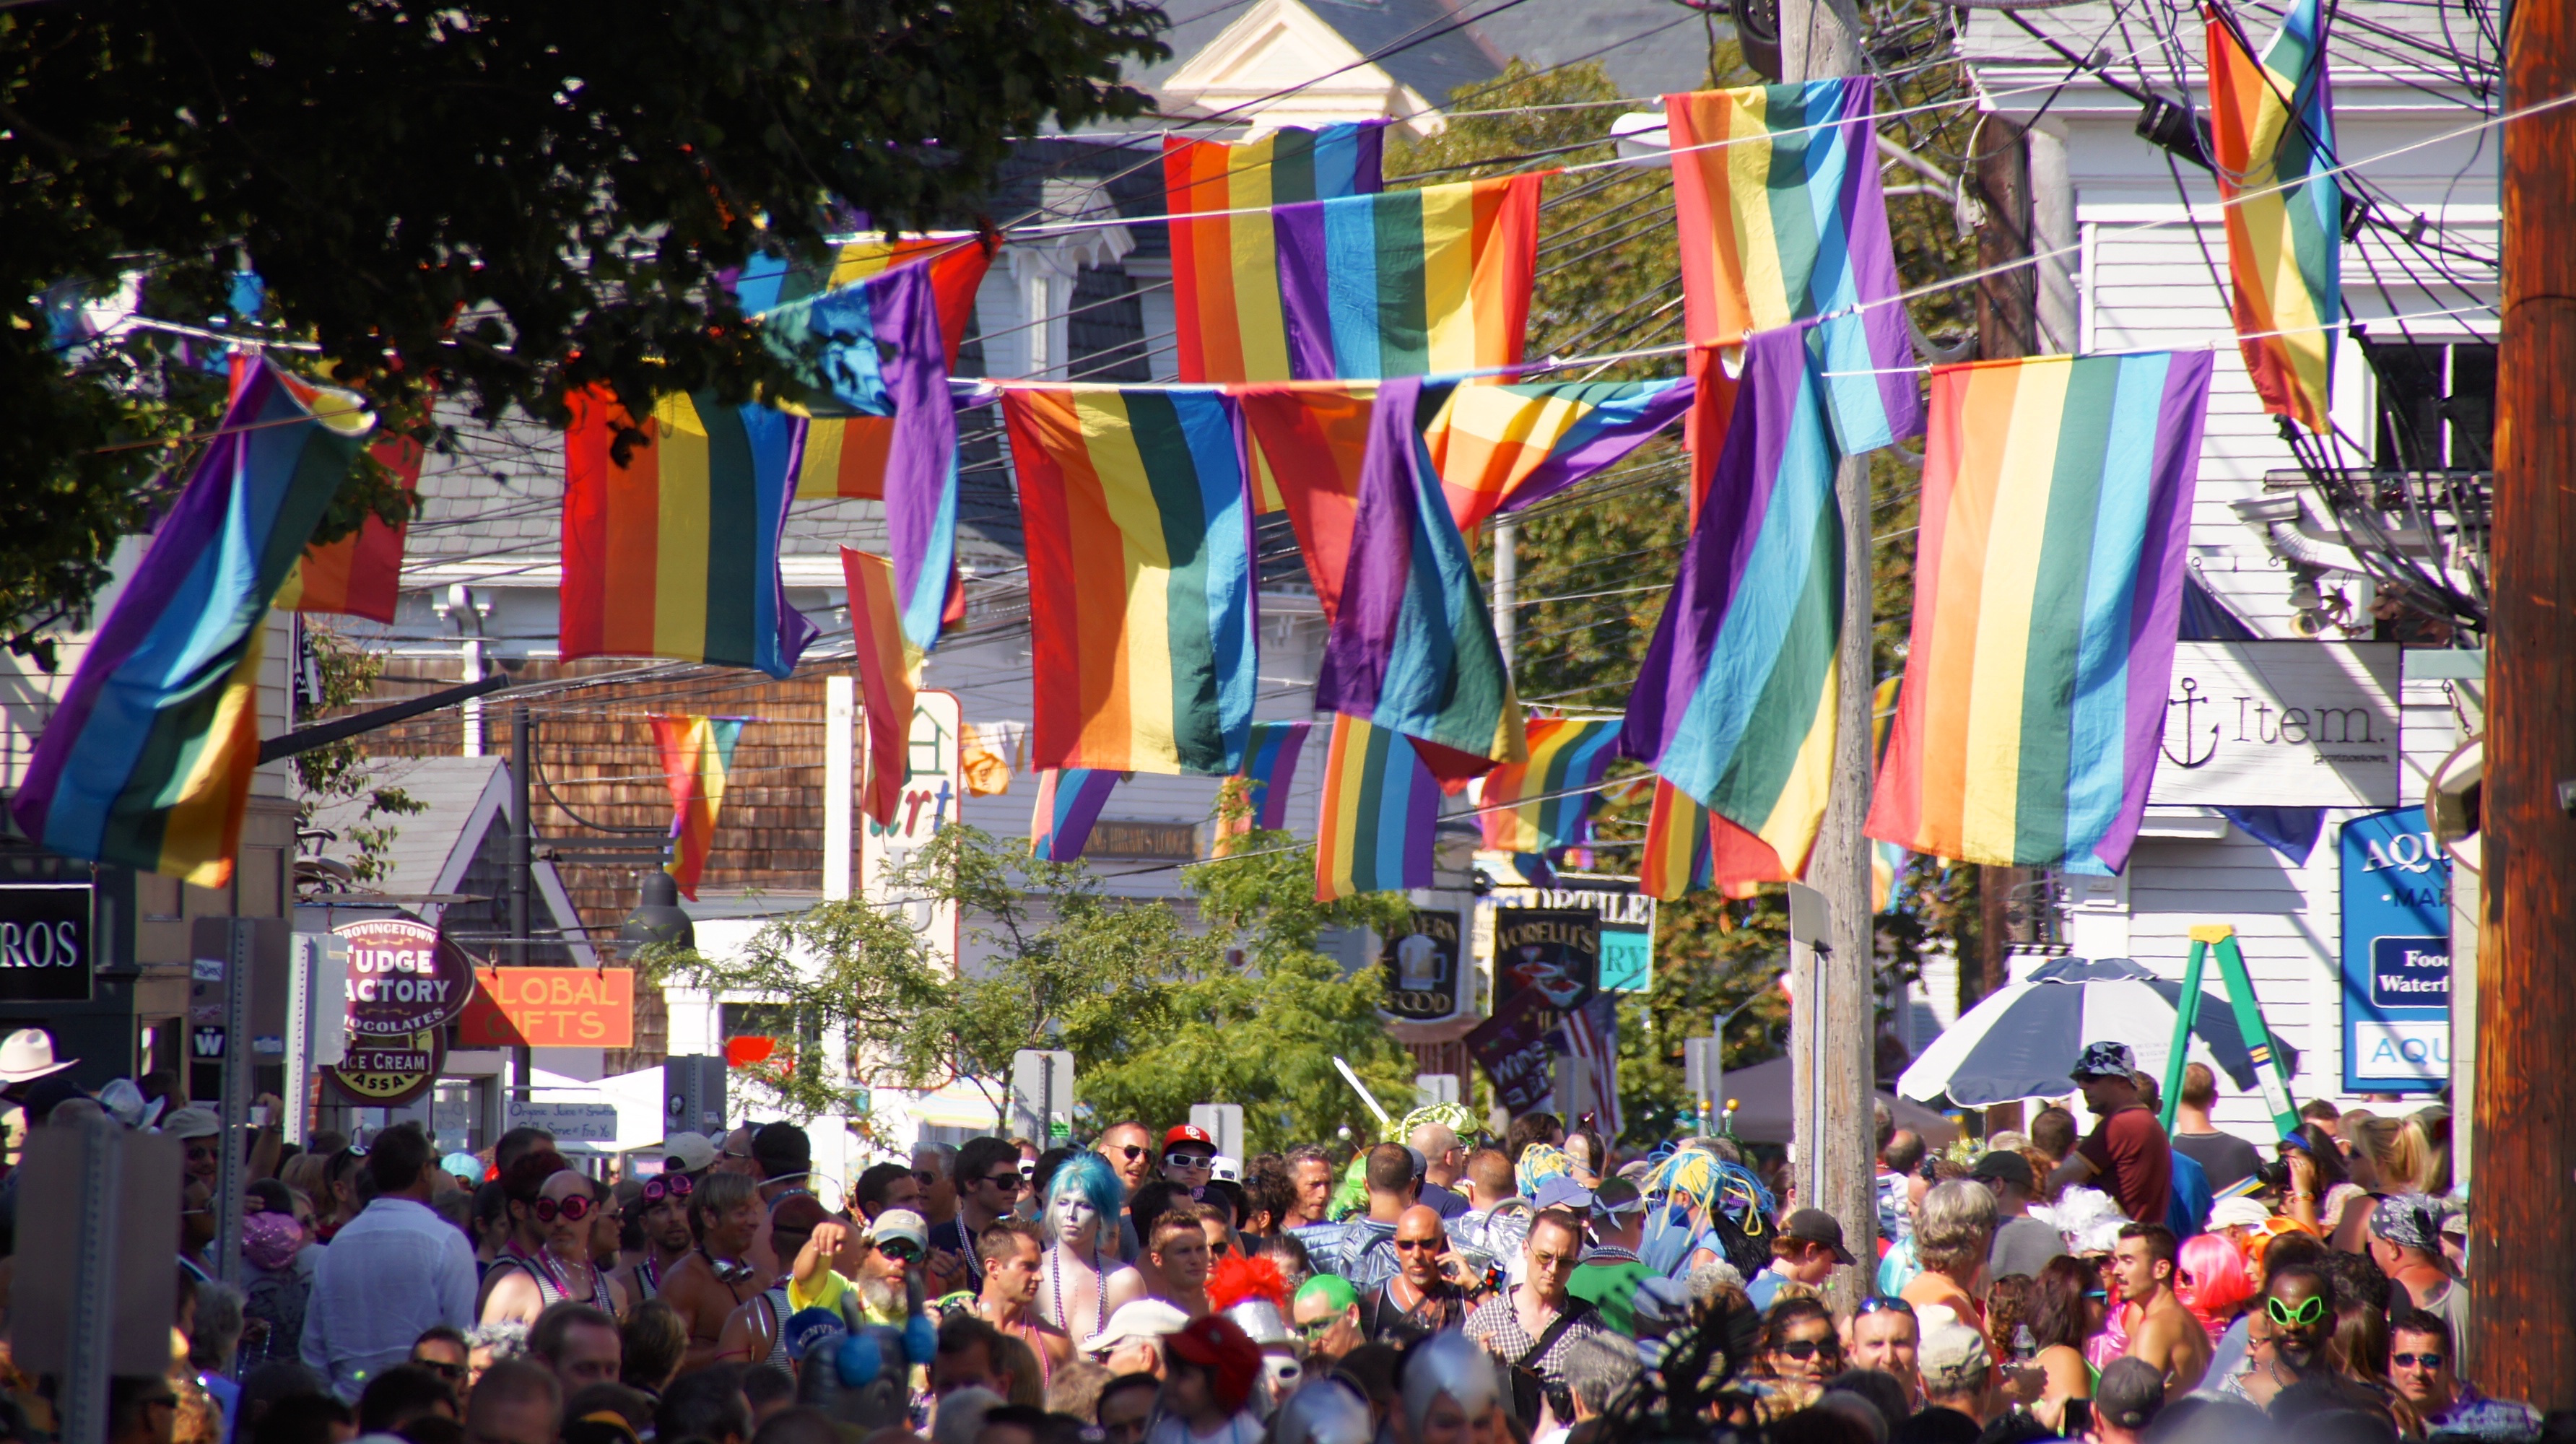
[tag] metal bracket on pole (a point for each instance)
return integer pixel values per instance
(233, 1170)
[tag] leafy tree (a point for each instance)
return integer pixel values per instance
(339, 770)
(499, 203)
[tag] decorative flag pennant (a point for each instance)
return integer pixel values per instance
(1408, 282)
(1501, 447)
(147, 759)
(1412, 647)
(697, 759)
(1735, 700)
(875, 348)
(1782, 221)
(1225, 265)
(1537, 806)
(1688, 849)
(889, 675)
(675, 553)
(2271, 135)
(360, 575)
(2048, 592)
(1311, 441)
(1069, 802)
(1270, 764)
(1140, 576)
(1380, 816)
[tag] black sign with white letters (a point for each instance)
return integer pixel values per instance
(45, 943)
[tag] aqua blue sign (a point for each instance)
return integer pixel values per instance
(2396, 955)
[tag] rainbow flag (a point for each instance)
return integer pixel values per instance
(1140, 576)
(1310, 442)
(1406, 283)
(1069, 802)
(874, 348)
(1412, 647)
(1704, 425)
(1782, 221)
(1500, 447)
(697, 757)
(1540, 805)
(1270, 765)
(1225, 263)
(360, 575)
(1689, 849)
(1380, 815)
(1735, 700)
(889, 675)
(2035, 684)
(147, 759)
(2271, 134)
(675, 553)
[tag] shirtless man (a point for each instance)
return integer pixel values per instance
(1179, 1248)
(1013, 1257)
(713, 1279)
(526, 1281)
(662, 1211)
(2162, 1331)
(1082, 1281)
(751, 1332)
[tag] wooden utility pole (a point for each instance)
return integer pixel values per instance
(2522, 1237)
(1838, 1032)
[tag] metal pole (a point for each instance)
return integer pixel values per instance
(232, 1174)
(1507, 587)
(840, 783)
(303, 951)
(93, 1320)
(523, 828)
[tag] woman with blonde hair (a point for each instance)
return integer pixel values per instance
(1954, 1228)
(2419, 1157)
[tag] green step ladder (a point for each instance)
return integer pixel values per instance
(2271, 1070)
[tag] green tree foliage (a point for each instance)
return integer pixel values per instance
(340, 770)
(495, 202)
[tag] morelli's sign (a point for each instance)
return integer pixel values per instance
(45, 942)
(2280, 724)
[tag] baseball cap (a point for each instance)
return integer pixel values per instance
(900, 1223)
(693, 1152)
(1226, 1170)
(2009, 1168)
(2104, 1060)
(1563, 1192)
(1188, 1133)
(808, 1328)
(192, 1123)
(1618, 1195)
(2130, 1394)
(1814, 1225)
(1136, 1319)
(1952, 1358)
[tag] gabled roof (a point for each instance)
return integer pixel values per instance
(1348, 59)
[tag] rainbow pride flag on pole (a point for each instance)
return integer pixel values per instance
(1501, 447)
(1735, 700)
(1069, 802)
(1140, 576)
(889, 675)
(2048, 592)
(1406, 283)
(2271, 134)
(675, 553)
(1537, 806)
(1380, 816)
(1412, 647)
(147, 759)
(697, 760)
(1225, 262)
(1782, 221)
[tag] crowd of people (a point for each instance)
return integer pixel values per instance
(1438, 1287)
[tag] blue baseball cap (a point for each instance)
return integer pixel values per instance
(1563, 1192)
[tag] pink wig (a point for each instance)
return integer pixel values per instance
(2219, 1282)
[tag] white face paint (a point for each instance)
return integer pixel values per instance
(1072, 1217)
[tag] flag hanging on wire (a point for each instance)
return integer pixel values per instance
(1225, 262)
(1546, 803)
(1069, 803)
(1380, 815)
(360, 575)
(889, 675)
(697, 763)
(1689, 849)
(1406, 283)
(1499, 447)
(2271, 134)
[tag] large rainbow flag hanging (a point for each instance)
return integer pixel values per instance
(1735, 700)
(1688, 849)
(360, 575)
(147, 759)
(1380, 816)
(889, 675)
(1225, 264)
(697, 761)
(2048, 591)
(1542, 804)
(1783, 221)
(1405, 283)
(1309, 442)
(1069, 803)
(2271, 134)
(1412, 647)
(874, 348)
(1140, 576)
(1502, 447)
(675, 553)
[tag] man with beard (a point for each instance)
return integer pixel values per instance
(662, 1212)
(1427, 1292)
(2163, 1332)
(1013, 1256)
(715, 1278)
(882, 1256)
(2300, 1304)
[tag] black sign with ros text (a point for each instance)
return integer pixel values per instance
(45, 943)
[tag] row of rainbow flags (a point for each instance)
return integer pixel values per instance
(1353, 357)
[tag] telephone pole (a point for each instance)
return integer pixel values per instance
(1837, 1032)
(2522, 1302)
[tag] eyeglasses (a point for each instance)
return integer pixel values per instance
(2097, 1295)
(901, 1250)
(1805, 1349)
(1319, 1327)
(445, 1370)
(2310, 1309)
(674, 1185)
(1190, 1160)
(571, 1210)
(1409, 1245)
(1007, 1182)
(1029, 1170)
(926, 1177)
(1882, 1304)
(2416, 1361)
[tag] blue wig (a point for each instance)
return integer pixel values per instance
(1088, 1174)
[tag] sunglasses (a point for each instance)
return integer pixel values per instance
(1409, 1245)
(728, 1272)
(675, 1185)
(901, 1250)
(2416, 1361)
(1805, 1349)
(570, 1210)
(441, 1368)
(1190, 1160)
(1881, 1304)
(1131, 1151)
(927, 1178)
(1028, 1170)
(2309, 1311)
(1008, 1182)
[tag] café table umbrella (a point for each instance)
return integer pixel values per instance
(2021, 1040)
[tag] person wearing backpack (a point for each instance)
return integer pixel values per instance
(1533, 1326)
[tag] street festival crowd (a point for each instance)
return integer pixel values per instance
(1439, 1287)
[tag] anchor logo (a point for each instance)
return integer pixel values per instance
(2189, 699)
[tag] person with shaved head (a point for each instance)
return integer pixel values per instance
(1431, 1289)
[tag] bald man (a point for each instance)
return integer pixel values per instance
(1431, 1289)
(1444, 1158)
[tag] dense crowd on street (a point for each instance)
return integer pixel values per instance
(1440, 1286)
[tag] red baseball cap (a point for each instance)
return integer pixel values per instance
(1188, 1133)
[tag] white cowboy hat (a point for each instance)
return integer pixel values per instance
(27, 1055)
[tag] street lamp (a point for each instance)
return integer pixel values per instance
(658, 918)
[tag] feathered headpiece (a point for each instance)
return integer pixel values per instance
(1253, 1293)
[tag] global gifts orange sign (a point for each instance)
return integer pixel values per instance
(550, 1008)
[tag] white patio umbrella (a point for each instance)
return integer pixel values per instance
(2021, 1040)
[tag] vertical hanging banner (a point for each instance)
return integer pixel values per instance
(934, 789)
(697, 762)
(889, 675)
(2271, 137)
(2396, 955)
(360, 575)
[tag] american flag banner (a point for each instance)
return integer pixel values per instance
(1592, 1038)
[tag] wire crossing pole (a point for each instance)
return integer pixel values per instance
(2522, 1302)
(1818, 39)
